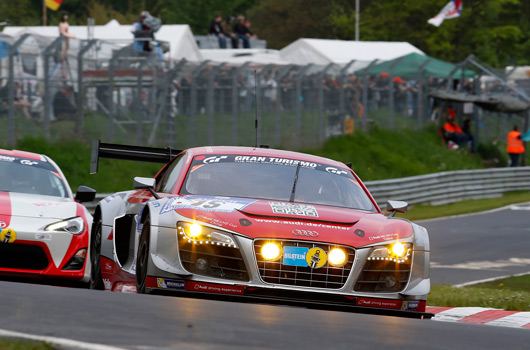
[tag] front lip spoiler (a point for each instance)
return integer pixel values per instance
(310, 304)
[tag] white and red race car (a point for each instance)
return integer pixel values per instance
(257, 223)
(45, 231)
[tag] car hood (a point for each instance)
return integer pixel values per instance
(35, 206)
(267, 219)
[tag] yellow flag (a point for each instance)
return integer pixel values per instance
(53, 4)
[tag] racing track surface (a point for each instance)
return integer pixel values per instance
(480, 246)
(161, 322)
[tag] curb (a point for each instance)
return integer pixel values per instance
(481, 315)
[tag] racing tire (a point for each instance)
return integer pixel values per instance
(96, 281)
(142, 258)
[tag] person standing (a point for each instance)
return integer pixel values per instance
(217, 30)
(515, 146)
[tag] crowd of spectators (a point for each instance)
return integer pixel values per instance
(235, 32)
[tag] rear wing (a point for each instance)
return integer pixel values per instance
(127, 152)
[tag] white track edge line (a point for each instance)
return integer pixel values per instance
(460, 285)
(470, 214)
(58, 341)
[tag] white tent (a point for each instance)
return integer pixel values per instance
(237, 57)
(180, 38)
(341, 52)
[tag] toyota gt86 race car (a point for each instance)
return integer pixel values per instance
(257, 222)
(44, 228)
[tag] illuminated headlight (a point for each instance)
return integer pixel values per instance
(271, 251)
(74, 226)
(398, 252)
(337, 257)
(198, 234)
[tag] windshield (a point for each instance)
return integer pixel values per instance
(275, 179)
(30, 176)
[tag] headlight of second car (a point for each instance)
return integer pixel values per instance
(74, 226)
(398, 252)
(199, 234)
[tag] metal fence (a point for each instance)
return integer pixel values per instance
(95, 89)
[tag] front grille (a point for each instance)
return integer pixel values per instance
(383, 276)
(212, 260)
(23, 257)
(326, 276)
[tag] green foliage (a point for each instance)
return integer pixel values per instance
(8, 344)
(508, 294)
(491, 152)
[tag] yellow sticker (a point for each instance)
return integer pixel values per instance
(8, 235)
(316, 258)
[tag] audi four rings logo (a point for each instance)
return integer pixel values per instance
(305, 233)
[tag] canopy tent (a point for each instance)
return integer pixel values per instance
(497, 102)
(241, 56)
(409, 67)
(180, 38)
(341, 52)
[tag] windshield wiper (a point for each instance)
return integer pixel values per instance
(294, 184)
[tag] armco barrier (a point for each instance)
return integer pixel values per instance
(440, 188)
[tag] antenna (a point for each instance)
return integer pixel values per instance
(256, 105)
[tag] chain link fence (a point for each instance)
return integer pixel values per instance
(61, 88)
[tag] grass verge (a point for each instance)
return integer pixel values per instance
(10, 344)
(421, 212)
(511, 293)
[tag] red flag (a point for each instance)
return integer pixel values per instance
(453, 9)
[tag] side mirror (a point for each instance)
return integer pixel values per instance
(143, 183)
(396, 207)
(85, 194)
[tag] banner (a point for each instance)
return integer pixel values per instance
(53, 4)
(453, 9)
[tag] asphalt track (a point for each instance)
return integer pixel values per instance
(480, 246)
(161, 322)
(132, 321)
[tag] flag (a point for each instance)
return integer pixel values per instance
(53, 4)
(453, 9)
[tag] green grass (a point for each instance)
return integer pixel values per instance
(509, 294)
(420, 212)
(8, 344)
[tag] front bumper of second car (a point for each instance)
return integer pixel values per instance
(170, 271)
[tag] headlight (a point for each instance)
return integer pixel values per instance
(271, 251)
(74, 226)
(199, 234)
(398, 252)
(337, 257)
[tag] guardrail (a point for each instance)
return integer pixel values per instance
(439, 188)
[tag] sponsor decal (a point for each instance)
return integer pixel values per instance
(379, 303)
(410, 305)
(214, 159)
(316, 258)
(245, 222)
(359, 233)
(8, 235)
(170, 284)
(41, 236)
(109, 199)
(336, 171)
(2, 225)
(293, 209)
(156, 204)
(6, 159)
(305, 233)
(387, 237)
(295, 256)
(277, 161)
(206, 203)
(28, 162)
(215, 221)
(214, 288)
(302, 223)
(47, 204)
(107, 283)
(125, 287)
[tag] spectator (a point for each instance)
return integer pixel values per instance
(217, 29)
(142, 34)
(270, 91)
(466, 128)
(400, 94)
(229, 31)
(242, 32)
(382, 89)
(515, 146)
(63, 108)
(63, 31)
(452, 132)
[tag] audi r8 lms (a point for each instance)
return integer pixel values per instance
(257, 223)
(44, 229)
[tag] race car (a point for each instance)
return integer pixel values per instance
(256, 223)
(44, 228)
